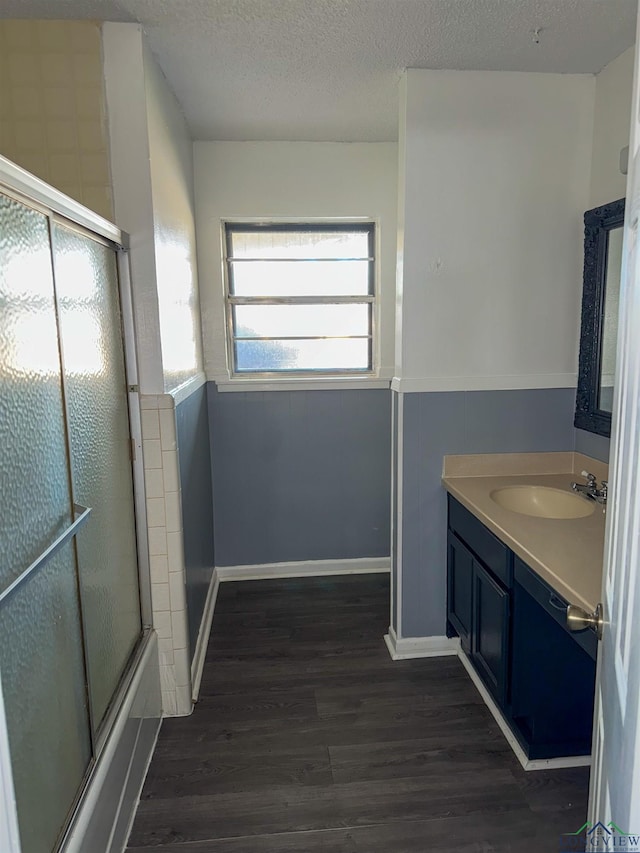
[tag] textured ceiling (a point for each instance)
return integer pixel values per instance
(328, 69)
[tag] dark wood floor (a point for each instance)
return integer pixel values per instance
(307, 737)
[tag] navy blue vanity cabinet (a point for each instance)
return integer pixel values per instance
(490, 643)
(553, 672)
(479, 576)
(512, 626)
(460, 589)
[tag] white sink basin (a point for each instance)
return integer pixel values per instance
(542, 501)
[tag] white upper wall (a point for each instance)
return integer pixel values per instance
(402, 183)
(131, 184)
(296, 180)
(611, 128)
(171, 160)
(151, 166)
(497, 169)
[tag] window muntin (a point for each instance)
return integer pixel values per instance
(300, 278)
(300, 298)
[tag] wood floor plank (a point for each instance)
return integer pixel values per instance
(309, 738)
(332, 702)
(512, 832)
(279, 809)
(446, 726)
(251, 705)
(252, 635)
(284, 809)
(360, 669)
(233, 772)
(548, 791)
(412, 758)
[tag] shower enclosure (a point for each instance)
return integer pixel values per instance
(70, 600)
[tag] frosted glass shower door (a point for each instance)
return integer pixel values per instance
(99, 438)
(41, 658)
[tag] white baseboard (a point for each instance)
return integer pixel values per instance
(427, 647)
(527, 764)
(304, 568)
(265, 571)
(420, 647)
(197, 664)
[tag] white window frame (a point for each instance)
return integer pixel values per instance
(278, 379)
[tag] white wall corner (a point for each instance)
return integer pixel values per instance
(187, 388)
(611, 128)
(184, 690)
(174, 230)
(401, 193)
(128, 132)
(420, 647)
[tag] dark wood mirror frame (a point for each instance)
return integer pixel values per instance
(597, 224)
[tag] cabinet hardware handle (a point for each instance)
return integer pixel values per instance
(579, 620)
(556, 602)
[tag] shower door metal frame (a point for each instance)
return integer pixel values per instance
(101, 730)
(29, 190)
(9, 831)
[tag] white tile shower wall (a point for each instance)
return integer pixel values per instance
(166, 548)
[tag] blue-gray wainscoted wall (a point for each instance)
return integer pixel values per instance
(300, 475)
(596, 446)
(192, 423)
(440, 423)
(394, 504)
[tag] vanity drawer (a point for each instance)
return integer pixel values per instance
(488, 548)
(554, 604)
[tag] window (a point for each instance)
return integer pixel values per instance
(300, 297)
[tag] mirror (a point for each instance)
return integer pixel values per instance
(599, 328)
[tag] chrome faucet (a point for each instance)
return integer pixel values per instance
(590, 488)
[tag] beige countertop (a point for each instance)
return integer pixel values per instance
(566, 553)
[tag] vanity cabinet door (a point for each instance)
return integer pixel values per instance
(489, 649)
(460, 590)
(553, 679)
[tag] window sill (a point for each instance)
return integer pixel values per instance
(328, 383)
